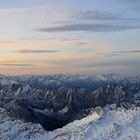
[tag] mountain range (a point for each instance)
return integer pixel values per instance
(55, 101)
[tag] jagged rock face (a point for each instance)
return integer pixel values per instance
(55, 108)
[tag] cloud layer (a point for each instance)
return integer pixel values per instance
(17, 65)
(37, 51)
(95, 21)
(95, 27)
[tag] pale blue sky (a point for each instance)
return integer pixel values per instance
(69, 36)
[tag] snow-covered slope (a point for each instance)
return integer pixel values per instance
(115, 125)
(106, 124)
(11, 129)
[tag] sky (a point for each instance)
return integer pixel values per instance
(69, 36)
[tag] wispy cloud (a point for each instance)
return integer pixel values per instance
(90, 63)
(17, 65)
(90, 27)
(7, 42)
(104, 16)
(127, 51)
(118, 53)
(96, 15)
(82, 43)
(37, 51)
(95, 21)
(112, 63)
(109, 53)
